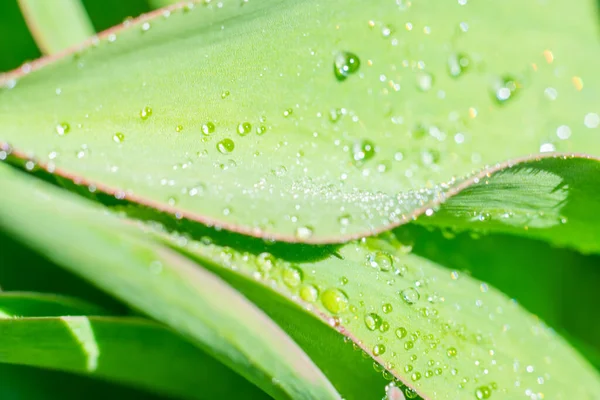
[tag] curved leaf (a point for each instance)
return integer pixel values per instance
(309, 120)
(161, 283)
(128, 350)
(56, 25)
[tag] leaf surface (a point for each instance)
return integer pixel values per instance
(309, 120)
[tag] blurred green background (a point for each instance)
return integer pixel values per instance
(561, 286)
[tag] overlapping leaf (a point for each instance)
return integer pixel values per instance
(310, 120)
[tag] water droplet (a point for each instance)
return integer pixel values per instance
(409, 344)
(244, 128)
(265, 263)
(208, 128)
(225, 146)
(410, 393)
(334, 300)
(383, 261)
(505, 89)
(335, 114)
(288, 112)
(458, 64)
(483, 392)
(225, 94)
(410, 295)
(373, 321)
(387, 308)
(345, 64)
(145, 113)
(179, 128)
(304, 232)
(424, 81)
(401, 333)
(378, 350)
(363, 150)
(261, 130)
(63, 128)
(563, 132)
(591, 120)
(451, 352)
(415, 376)
(291, 276)
(309, 293)
(418, 132)
(118, 137)
(345, 219)
(547, 148)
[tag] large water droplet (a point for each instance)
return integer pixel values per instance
(334, 300)
(309, 293)
(410, 295)
(225, 146)
(345, 64)
(378, 350)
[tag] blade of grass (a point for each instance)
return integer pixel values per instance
(30, 304)
(56, 25)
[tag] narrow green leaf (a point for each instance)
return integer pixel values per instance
(309, 120)
(127, 350)
(58, 24)
(161, 283)
(23, 304)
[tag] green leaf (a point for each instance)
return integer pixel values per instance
(23, 304)
(161, 283)
(57, 25)
(127, 350)
(552, 199)
(244, 115)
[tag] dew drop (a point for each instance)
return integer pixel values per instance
(63, 128)
(505, 89)
(334, 300)
(304, 232)
(244, 128)
(410, 393)
(288, 112)
(208, 128)
(387, 308)
(309, 293)
(225, 94)
(415, 376)
(344, 220)
(145, 113)
(363, 150)
(409, 344)
(118, 137)
(225, 146)
(383, 261)
(458, 64)
(424, 81)
(345, 64)
(261, 130)
(451, 352)
(373, 321)
(483, 392)
(179, 128)
(410, 295)
(291, 276)
(378, 350)
(401, 333)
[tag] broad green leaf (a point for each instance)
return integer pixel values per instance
(309, 120)
(127, 350)
(58, 24)
(554, 199)
(161, 283)
(446, 335)
(23, 304)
